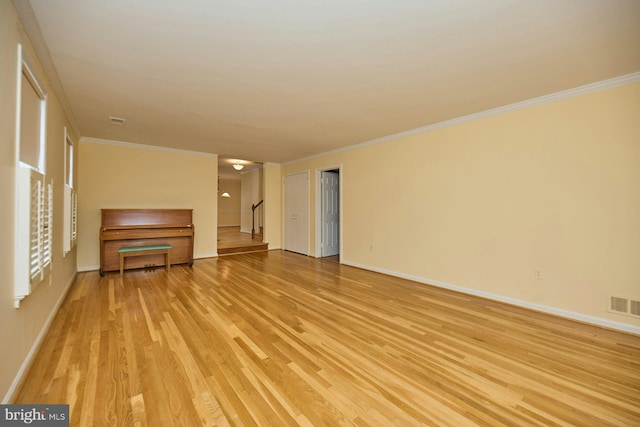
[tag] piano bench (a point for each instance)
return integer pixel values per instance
(144, 250)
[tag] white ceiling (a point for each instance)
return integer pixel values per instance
(277, 80)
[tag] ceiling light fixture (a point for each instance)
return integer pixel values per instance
(237, 166)
(222, 194)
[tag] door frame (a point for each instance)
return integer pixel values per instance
(318, 208)
(308, 202)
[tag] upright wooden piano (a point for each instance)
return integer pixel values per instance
(142, 227)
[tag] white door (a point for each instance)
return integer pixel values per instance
(330, 227)
(296, 213)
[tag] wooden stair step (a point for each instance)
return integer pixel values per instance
(254, 247)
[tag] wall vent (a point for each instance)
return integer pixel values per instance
(634, 308)
(619, 304)
(622, 305)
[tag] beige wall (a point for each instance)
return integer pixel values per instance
(229, 207)
(272, 205)
(20, 328)
(113, 175)
(483, 204)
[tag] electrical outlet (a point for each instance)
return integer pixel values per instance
(537, 273)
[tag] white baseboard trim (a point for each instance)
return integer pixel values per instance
(513, 301)
(36, 344)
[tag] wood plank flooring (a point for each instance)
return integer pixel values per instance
(280, 339)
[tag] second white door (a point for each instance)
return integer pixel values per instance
(296, 213)
(330, 227)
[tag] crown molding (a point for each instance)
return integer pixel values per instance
(91, 140)
(545, 99)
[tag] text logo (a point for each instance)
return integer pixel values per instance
(34, 415)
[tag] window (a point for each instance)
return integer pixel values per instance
(68, 159)
(34, 196)
(32, 121)
(70, 225)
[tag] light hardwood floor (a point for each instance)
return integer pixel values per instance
(274, 338)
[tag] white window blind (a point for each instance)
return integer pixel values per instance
(70, 226)
(34, 242)
(69, 154)
(74, 218)
(41, 225)
(48, 226)
(36, 208)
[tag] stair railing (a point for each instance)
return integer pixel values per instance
(253, 217)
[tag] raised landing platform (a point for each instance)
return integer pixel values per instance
(232, 241)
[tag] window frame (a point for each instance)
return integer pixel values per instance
(25, 69)
(70, 225)
(69, 157)
(33, 208)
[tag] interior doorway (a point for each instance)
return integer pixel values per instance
(328, 212)
(240, 188)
